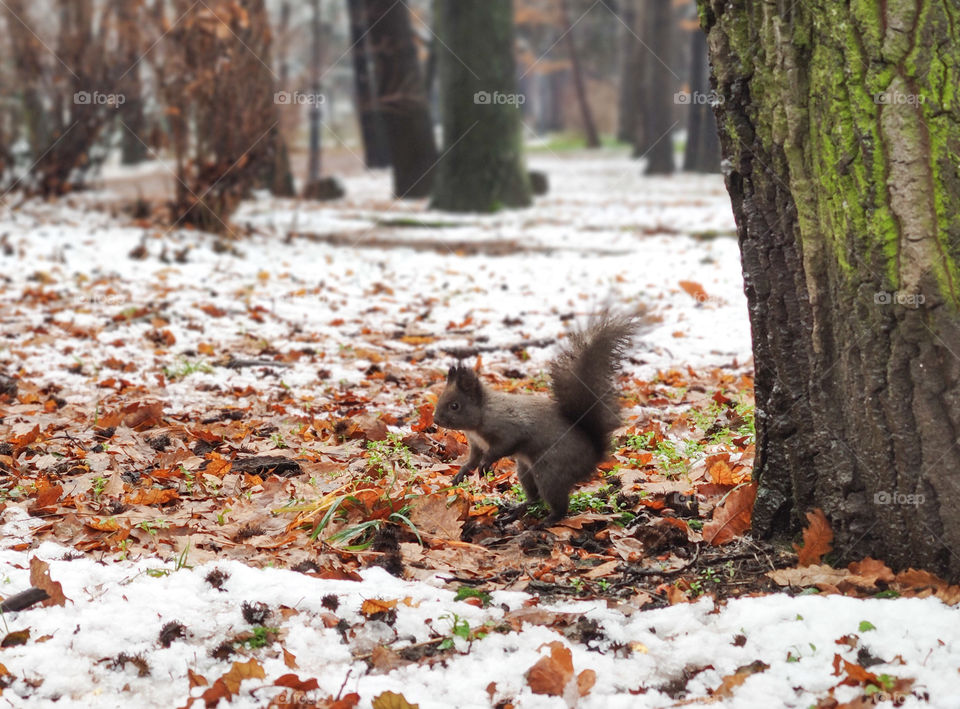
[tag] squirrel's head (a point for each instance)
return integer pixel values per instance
(460, 406)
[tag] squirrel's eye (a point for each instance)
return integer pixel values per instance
(454, 405)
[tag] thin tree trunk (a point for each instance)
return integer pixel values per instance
(376, 151)
(579, 85)
(402, 98)
(316, 30)
(482, 166)
(628, 106)
(657, 146)
(844, 185)
(702, 153)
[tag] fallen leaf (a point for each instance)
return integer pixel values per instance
(732, 518)
(817, 539)
(392, 700)
(40, 577)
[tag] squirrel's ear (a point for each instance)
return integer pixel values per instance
(452, 372)
(468, 382)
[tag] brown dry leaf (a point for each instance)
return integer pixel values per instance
(196, 679)
(40, 577)
(372, 606)
(140, 416)
(856, 675)
(817, 539)
(17, 637)
(392, 700)
(251, 669)
(431, 515)
(871, 569)
(916, 582)
(732, 518)
(585, 682)
(289, 659)
(291, 681)
(551, 674)
(602, 570)
(384, 659)
(731, 682)
(823, 577)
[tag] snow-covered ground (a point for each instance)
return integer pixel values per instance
(396, 278)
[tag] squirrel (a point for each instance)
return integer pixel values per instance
(556, 441)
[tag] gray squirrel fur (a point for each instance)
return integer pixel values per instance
(557, 441)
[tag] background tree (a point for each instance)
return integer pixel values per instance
(402, 97)
(655, 141)
(576, 70)
(842, 126)
(482, 165)
(702, 152)
(376, 152)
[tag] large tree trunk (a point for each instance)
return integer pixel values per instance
(842, 128)
(702, 153)
(376, 151)
(482, 165)
(402, 98)
(579, 83)
(657, 138)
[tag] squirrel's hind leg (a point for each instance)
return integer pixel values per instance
(528, 481)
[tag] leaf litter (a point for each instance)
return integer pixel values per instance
(248, 445)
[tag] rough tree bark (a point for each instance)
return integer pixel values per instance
(657, 143)
(482, 166)
(702, 153)
(842, 126)
(376, 151)
(402, 97)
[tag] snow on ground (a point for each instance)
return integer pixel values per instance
(334, 274)
(603, 235)
(123, 606)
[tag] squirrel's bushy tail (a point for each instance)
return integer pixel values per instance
(584, 376)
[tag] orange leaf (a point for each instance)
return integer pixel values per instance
(372, 606)
(152, 496)
(695, 291)
(732, 518)
(817, 538)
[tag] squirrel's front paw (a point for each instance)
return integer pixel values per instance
(461, 474)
